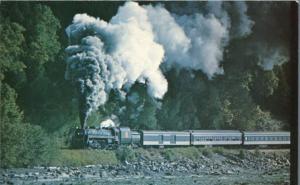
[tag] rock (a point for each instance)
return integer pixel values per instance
(229, 172)
(103, 174)
(64, 175)
(216, 173)
(53, 168)
(89, 166)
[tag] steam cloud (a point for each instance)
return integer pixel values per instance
(270, 57)
(140, 40)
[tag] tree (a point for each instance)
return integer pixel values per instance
(21, 143)
(11, 41)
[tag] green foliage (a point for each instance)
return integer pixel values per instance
(10, 47)
(207, 152)
(257, 153)
(169, 154)
(22, 144)
(219, 150)
(125, 153)
(264, 121)
(83, 157)
(182, 152)
(242, 154)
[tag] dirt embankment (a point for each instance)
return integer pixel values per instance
(223, 167)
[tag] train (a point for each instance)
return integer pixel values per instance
(113, 137)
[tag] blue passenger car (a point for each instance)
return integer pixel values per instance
(216, 137)
(165, 138)
(266, 138)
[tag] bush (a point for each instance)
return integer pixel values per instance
(219, 150)
(242, 154)
(207, 152)
(168, 154)
(257, 153)
(22, 144)
(125, 153)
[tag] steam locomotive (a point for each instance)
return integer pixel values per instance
(109, 138)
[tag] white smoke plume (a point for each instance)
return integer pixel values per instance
(244, 27)
(108, 123)
(134, 45)
(270, 57)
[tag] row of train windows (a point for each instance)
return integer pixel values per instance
(267, 138)
(217, 138)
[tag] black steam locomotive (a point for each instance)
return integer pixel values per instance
(109, 138)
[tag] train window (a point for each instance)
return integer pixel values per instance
(173, 139)
(161, 139)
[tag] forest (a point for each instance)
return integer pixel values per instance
(256, 89)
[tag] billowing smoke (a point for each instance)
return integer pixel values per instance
(108, 123)
(244, 23)
(140, 40)
(269, 57)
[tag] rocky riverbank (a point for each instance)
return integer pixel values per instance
(272, 167)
